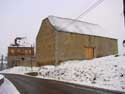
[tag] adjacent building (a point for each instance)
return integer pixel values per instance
(61, 39)
(21, 56)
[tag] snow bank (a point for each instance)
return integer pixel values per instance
(1, 77)
(107, 72)
(20, 70)
(8, 88)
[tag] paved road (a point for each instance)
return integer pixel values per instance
(30, 85)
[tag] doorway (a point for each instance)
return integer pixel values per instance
(89, 52)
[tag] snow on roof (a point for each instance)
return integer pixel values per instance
(76, 26)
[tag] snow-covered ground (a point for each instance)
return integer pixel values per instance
(7, 87)
(1, 77)
(106, 72)
(20, 70)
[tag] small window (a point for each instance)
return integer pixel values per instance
(22, 58)
(26, 52)
(30, 52)
(12, 51)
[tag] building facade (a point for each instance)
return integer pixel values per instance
(21, 56)
(56, 43)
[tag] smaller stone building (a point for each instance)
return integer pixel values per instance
(61, 39)
(21, 56)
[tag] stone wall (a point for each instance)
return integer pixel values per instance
(71, 46)
(45, 44)
(21, 61)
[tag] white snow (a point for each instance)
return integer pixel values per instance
(8, 88)
(76, 26)
(20, 70)
(107, 72)
(1, 77)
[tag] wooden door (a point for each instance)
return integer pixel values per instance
(89, 52)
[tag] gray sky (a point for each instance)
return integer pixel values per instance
(23, 17)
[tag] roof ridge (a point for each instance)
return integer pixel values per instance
(74, 20)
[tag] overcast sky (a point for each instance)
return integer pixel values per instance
(23, 17)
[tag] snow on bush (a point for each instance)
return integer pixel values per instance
(107, 72)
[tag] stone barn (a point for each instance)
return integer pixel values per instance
(61, 39)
